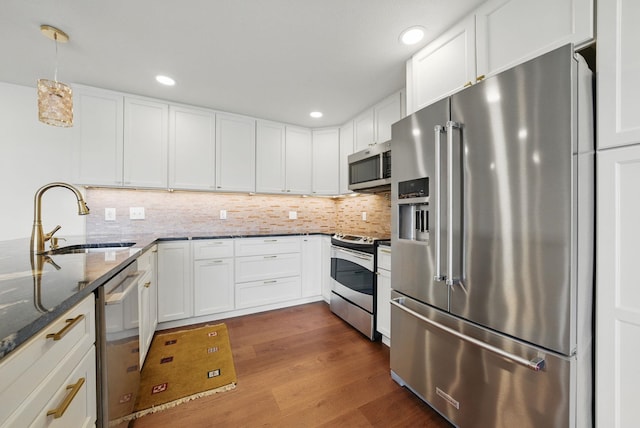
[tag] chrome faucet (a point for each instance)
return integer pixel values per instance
(38, 237)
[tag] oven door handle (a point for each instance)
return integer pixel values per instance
(353, 253)
(127, 285)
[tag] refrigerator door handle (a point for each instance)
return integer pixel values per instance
(450, 126)
(438, 276)
(536, 364)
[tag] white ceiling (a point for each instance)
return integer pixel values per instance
(272, 59)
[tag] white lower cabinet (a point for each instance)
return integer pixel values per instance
(383, 307)
(175, 289)
(213, 276)
(51, 380)
(147, 300)
(311, 266)
(268, 275)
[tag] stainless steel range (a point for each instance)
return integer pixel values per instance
(353, 281)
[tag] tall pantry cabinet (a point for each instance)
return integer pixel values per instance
(618, 200)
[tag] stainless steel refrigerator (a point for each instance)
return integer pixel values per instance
(492, 248)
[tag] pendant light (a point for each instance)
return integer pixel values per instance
(55, 99)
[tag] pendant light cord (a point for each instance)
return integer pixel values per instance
(55, 73)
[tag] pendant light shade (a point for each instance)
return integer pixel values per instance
(55, 103)
(55, 99)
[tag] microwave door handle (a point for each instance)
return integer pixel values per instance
(381, 164)
(450, 188)
(437, 221)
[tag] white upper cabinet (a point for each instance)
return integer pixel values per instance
(618, 72)
(235, 153)
(509, 32)
(346, 148)
(326, 161)
(298, 160)
(498, 35)
(374, 125)
(364, 130)
(99, 117)
(443, 67)
(192, 148)
(386, 113)
(270, 157)
(145, 143)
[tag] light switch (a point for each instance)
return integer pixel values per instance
(364, 216)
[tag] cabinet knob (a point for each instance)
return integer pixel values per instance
(479, 78)
(468, 84)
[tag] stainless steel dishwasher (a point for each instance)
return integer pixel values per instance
(118, 347)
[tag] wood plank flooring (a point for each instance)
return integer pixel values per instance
(303, 367)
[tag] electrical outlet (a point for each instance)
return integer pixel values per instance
(364, 216)
(223, 214)
(293, 215)
(109, 214)
(136, 213)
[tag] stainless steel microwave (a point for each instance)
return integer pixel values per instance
(370, 169)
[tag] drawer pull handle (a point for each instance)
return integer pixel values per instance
(71, 322)
(272, 281)
(75, 388)
(270, 240)
(147, 284)
(270, 257)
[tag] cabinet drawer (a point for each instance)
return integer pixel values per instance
(269, 291)
(145, 261)
(384, 258)
(27, 367)
(70, 391)
(257, 268)
(264, 246)
(212, 249)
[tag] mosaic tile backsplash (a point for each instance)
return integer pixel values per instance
(198, 213)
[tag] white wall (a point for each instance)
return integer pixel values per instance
(33, 154)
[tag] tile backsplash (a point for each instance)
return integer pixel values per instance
(187, 213)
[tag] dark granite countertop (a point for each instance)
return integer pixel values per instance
(34, 291)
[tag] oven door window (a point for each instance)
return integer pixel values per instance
(352, 275)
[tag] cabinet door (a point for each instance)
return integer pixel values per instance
(443, 67)
(298, 160)
(383, 295)
(618, 70)
(270, 157)
(326, 268)
(192, 148)
(99, 119)
(386, 113)
(326, 162)
(510, 32)
(175, 289)
(213, 286)
(364, 130)
(618, 294)
(346, 148)
(235, 153)
(145, 143)
(311, 266)
(144, 302)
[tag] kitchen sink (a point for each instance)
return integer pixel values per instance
(91, 248)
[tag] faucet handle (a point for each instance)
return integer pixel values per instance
(49, 235)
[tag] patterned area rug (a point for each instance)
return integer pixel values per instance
(185, 365)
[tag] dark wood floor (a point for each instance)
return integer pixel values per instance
(303, 367)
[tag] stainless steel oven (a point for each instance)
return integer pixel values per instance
(353, 282)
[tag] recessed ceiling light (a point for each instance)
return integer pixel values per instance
(316, 114)
(165, 80)
(412, 35)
